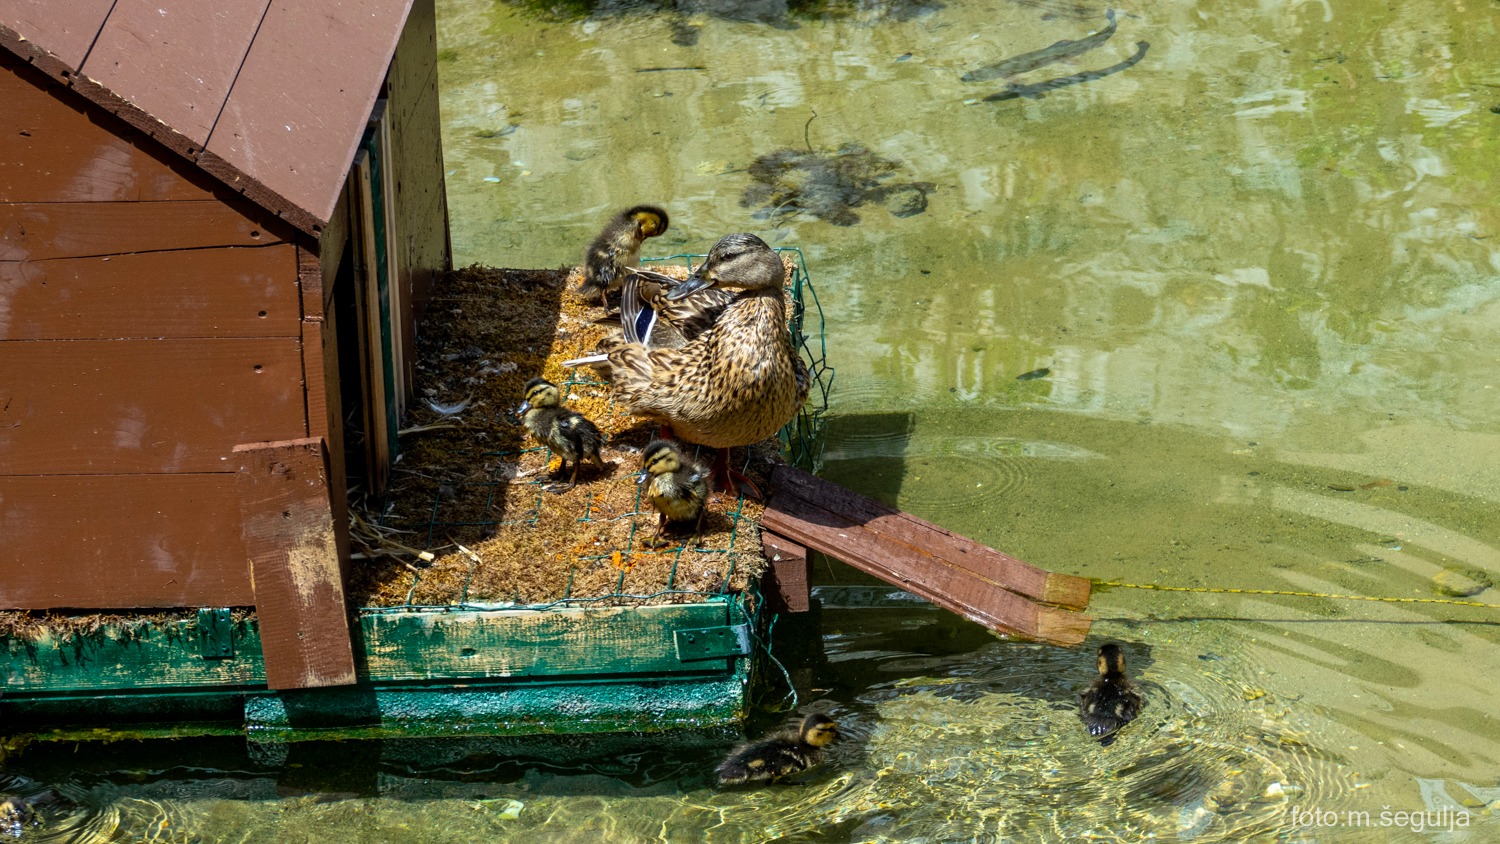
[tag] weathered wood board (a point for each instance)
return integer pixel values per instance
(105, 406)
(120, 541)
(785, 583)
(195, 50)
(179, 294)
(68, 35)
(951, 571)
(287, 524)
(391, 647)
(952, 549)
(298, 158)
(41, 231)
(56, 147)
(524, 643)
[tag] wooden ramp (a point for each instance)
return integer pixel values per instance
(952, 571)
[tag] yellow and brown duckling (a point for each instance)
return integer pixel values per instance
(735, 383)
(16, 813)
(617, 248)
(677, 486)
(570, 436)
(781, 754)
(1111, 701)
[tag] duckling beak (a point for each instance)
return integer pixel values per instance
(694, 283)
(525, 406)
(641, 476)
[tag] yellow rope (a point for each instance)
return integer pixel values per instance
(1449, 601)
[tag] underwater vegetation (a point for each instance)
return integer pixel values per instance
(830, 185)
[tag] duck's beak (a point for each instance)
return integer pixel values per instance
(641, 476)
(525, 406)
(694, 283)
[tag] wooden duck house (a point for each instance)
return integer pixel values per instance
(218, 226)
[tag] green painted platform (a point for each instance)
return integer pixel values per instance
(467, 671)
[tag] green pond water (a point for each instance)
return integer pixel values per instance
(1259, 260)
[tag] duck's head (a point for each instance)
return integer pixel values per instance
(650, 220)
(659, 457)
(818, 730)
(738, 261)
(1111, 659)
(539, 393)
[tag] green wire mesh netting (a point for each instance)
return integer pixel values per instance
(495, 509)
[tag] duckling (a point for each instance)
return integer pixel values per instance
(1111, 701)
(16, 813)
(566, 432)
(618, 247)
(678, 489)
(780, 755)
(735, 383)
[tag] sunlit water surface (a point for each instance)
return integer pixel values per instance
(1260, 268)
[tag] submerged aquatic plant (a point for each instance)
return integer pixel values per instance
(830, 185)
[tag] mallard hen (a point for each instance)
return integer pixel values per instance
(734, 383)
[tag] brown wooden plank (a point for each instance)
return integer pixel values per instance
(175, 59)
(120, 406)
(908, 567)
(378, 436)
(296, 138)
(338, 477)
(186, 293)
(299, 587)
(960, 551)
(55, 147)
(330, 248)
(116, 541)
(66, 29)
(41, 231)
(785, 584)
(415, 154)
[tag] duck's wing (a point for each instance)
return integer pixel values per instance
(637, 317)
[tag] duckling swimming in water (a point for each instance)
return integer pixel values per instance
(1111, 701)
(781, 754)
(16, 813)
(618, 247)
(566, 432)
(678, 486)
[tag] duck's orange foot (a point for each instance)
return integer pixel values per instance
(731, 482)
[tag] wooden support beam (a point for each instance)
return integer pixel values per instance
(952, 571)
(294, 563)
(785, 583)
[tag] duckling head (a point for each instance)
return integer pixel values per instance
(1111, 659)
(818, 730)
(539, 393)
(738, 261)
(659, 457)
(650, 220)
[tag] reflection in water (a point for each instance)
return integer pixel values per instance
(1261, 269)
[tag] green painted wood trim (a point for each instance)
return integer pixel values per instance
(136, 657)
(521, 643)
(533, 709)
(429, 646)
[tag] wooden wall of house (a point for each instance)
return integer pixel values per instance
(150, 321)
(421, 207)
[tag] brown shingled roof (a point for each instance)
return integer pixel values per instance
(270, 96)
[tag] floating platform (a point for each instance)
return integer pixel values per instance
(419, 673)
